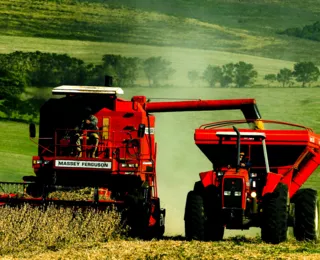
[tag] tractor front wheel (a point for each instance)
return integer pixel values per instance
(194, 217)
(214, 224)
(274, 218)
(306, 217)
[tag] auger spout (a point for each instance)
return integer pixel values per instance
(247, 106)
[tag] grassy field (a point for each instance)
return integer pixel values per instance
(182, 59)
(249, 27)
(15, 151)
(189, 34)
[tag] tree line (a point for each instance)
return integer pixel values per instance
(21, 69)
(242, 74)
(37, 69)
(310, 32)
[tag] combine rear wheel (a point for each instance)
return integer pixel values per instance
(194, 217)
(306, 217)
(274, 217)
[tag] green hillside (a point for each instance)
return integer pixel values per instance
(248, 27)
(16, 151)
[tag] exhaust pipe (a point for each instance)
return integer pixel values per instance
(238, 147)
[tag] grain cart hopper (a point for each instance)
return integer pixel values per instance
(267, 194)
(121, 172)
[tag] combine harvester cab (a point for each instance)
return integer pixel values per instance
(266, 193)
(120, 170)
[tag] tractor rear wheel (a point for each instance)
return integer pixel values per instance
(274, 219)
(306, 217)
(194, 217)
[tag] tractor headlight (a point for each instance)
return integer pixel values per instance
(253, 194)
(227, 193)
(237, 193)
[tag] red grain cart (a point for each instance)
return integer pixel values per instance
(265, 193)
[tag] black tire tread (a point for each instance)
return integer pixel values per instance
(304, 221)
(194, 217)
(214, 225)
(274, 218)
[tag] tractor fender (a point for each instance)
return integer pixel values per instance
(272, 181)
(208, 178)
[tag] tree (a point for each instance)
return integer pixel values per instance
(244, 74)
(193, 76)
(305, 72)
(270, 77)
(212, 75)
(11, 84)
(157, 68)
(227, 75)
(124, 70)
(284, 76)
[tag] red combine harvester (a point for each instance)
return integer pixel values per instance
(262, 191)
(119, 169)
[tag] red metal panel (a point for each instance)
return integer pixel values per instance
(286, 172)
(294, 137)
(207, 178)
(272, 182)
(305, 172)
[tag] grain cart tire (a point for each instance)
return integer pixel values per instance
(306, 215)
(194, 217)
(214, 227)
(274, 218)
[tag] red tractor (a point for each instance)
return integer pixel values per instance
(262, 191)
